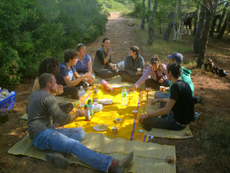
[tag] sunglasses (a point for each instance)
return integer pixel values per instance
(79, 46)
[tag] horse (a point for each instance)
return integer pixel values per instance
(187, 20)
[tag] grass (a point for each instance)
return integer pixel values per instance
(164, 48)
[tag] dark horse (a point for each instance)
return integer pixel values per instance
(188, 21)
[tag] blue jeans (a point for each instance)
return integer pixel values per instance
(69, 141)
(165, 122)
(161, 95)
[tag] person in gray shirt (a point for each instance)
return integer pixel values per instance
(133, 62)
(44, 113)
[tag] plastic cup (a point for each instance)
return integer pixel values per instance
(162, 88)
(114, 130)
(134, 113)
(139, 69)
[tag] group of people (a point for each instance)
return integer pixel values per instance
(45, 113)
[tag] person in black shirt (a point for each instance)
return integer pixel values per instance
(102, 64)
(179, 110)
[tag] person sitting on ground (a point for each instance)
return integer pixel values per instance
(185, 76)
(67, 72)
(84, 63)
(179, 110)
(44, 114)
(102, 64)
(157, 71)
(133, 62)
(47, 65)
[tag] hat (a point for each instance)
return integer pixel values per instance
(177, 56)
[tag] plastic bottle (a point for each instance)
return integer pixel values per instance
(124, 97)
(95, 98)
(87, 118)
(90, 107)
(81, 94)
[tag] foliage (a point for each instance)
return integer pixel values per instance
(34, 29)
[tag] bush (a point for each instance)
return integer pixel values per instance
(32, 30)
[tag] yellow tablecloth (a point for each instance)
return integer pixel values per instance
(128, 128)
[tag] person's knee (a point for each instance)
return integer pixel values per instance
(82, 134)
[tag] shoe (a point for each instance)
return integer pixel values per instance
(196, 116)
(197, 99)
(120, 165)
(58, 160)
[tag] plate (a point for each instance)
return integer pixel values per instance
(116, 86)
(106, 101)
(100, 127)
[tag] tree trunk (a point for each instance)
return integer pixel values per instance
(195, 20)
(149, 5)
(151, 30)
(226, 22)
(143, 16)
(204, 39)
(222, 18)
(212, 27)
(170, 25)
(199, 30)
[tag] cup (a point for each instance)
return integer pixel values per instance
(162, 88)
(114, 65)
(139, 69)
(114, 130)
(134, 113)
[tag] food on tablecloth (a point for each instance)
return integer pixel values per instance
(102, 126)
(106, 101)
(107, 86)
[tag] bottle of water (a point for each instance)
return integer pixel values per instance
(124, 97)
(81, 94)
(90, 107)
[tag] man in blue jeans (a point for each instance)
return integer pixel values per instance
(44, 114)
(179, 110)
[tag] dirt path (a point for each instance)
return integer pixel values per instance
(190, 152)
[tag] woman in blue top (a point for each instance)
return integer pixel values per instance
(84, 63)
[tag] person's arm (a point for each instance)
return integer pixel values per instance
(101, 58)
(54, 110)
(163, 111)
(74, 82)
(80, 113)
(127, 68)
(89, 64)
(164, 76)
(142, 65)
(142, 79)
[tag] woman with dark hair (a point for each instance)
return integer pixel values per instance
(157, 71)
(47, 65)
(102, 64)
(84, 63)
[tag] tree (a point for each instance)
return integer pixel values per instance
(195, 20)
(222, 17)
(150, 28)
(210, 7)
(170, 25)
(199, 30)
(226, 22)
(143, 15)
